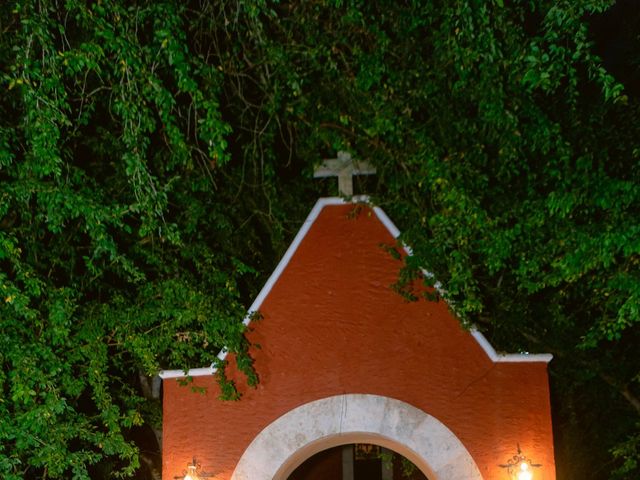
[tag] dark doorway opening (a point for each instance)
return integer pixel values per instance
(359, 461)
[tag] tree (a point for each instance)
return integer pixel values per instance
(156, 156)
(506, 151)
(120, 250)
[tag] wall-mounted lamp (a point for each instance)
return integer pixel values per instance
(519, 467)
(193, 472)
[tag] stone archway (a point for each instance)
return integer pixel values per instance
(306, 430)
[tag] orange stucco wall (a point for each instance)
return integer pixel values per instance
(331, 325)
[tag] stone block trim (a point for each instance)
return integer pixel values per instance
(304, 431)
(332, 326)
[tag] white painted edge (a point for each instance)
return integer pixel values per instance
(480, 338)
(395, 233)
(507, 357)
(266, 289)
(328, 422)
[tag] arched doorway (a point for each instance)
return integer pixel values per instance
(356, 418)
(359, 461)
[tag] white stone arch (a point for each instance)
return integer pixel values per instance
(356, 418)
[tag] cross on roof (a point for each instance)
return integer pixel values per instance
(344, 167)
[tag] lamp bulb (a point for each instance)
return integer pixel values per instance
(524, 473)
(191, 474)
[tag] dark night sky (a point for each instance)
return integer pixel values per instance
(617, 40)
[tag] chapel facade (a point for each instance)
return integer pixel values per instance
(344, 360)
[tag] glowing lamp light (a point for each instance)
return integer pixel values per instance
(519, 467)
(193, 472)
(524, 473)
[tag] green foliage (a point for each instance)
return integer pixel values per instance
(156, 156)
(121, 254)
(629, 451)
(508, 154)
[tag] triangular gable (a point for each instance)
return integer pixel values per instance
(284, 262)
(333, 330)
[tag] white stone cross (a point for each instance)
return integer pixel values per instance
(343, 167)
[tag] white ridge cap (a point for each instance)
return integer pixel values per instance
(266, 289)
(192, 372)
(393, 230)
(480, 338)
(508, 357)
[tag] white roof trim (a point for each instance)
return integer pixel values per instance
(393, 230)
(508, 357)
(266, 289)
(480, 338)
